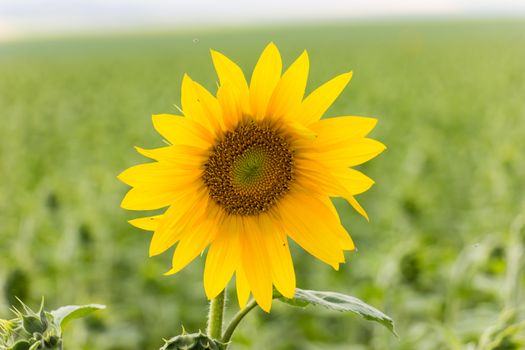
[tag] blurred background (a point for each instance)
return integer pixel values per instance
(443, 254)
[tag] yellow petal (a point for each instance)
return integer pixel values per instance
(256, 263)
(336, 231)
(148, 223)
(301, 130)
(243, 290)
(140, 199)
(315, 235)
(182, 131)
(343, 128)
(190, 103)
(316, 178)
(354, 181)
(230, 103)
(229, 73)
(210, 105)
(175, 154)
(199, 105)
(344, 238)
(182, 215)
(223, 257)
(283, 274)
(289, 92)
(264, 79)
(352, 153)
(160, 177)
(355, 204)
(316, 104)
(312, 175)
(192, 243)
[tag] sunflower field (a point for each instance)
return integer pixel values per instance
(443, 253)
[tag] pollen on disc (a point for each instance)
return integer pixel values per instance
(249, 169)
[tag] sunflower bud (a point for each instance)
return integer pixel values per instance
(194, 341)
(41, 330)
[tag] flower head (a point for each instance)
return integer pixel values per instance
(248, 168)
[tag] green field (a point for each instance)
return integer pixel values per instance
(443, 254)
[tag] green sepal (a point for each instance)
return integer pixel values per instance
(36, 346)
(33, 324)
(193, 341)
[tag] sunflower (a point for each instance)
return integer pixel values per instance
(248, 168)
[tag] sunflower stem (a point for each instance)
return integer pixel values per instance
(236, 320)
(215, 316)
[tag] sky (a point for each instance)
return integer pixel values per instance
(23, 18)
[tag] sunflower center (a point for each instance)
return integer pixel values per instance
(249, 169)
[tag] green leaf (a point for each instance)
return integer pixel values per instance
(340, 302)
(62, 316)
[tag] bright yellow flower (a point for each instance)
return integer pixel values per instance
(246, 169)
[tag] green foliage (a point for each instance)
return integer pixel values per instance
(40, 330)
(442, 254)
(339, 302)
(65, 314)
(16, 286)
